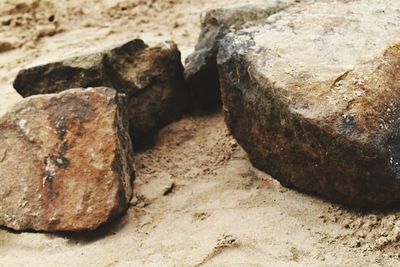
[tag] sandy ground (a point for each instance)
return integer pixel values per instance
(198, 201)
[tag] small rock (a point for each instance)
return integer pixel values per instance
(151, 77)
(7, 44)
(46, 30)
(65, 161)
(169, 187)
(161, 184)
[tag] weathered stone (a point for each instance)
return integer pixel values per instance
(313, 96)
(201, 66)
(65, 161)
(151, 77)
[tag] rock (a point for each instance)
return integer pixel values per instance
(161, 184)
(313, 96)
(201, 66)
(65, 161)
(151, 77)
(6, 45)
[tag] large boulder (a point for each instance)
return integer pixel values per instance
(151, 77)
(313, 95)
(201, 66)
(65, 161)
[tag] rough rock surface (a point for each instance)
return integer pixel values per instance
(151, 77)
(65, 161)
(313, 96)
(201, 66)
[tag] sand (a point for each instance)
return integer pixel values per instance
(198, 201)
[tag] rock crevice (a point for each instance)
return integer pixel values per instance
(201, 71)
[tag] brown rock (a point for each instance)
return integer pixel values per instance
(313, 96)
(151, 77)
(65, 161)
(201, 70)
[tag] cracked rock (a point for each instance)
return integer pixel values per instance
(313, 96)
(65, 161)
(151, 77)
(201, 66)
